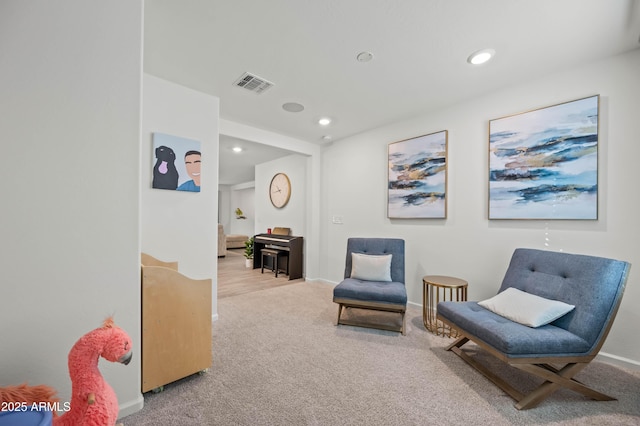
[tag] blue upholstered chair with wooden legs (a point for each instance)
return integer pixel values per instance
(550, 318)
(373, 280)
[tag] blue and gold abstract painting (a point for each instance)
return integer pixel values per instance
(543, 164)
(418, 177)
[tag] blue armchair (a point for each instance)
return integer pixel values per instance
(373, 280)
(588, 288)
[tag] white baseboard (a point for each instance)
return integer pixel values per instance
(414, 304)
(618, 361)
(320, 280)
(131, 407)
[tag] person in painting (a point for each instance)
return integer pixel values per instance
(192, 163)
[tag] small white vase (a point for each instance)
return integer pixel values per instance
(248, 263)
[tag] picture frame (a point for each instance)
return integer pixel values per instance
(176, 163)
(543, 164)
(417, 177)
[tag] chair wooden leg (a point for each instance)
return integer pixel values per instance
(556, 379)
(498, 381)
(457, 343)
(339, 313)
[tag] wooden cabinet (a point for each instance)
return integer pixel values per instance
(176, 324)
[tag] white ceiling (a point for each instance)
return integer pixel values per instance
(308, 49)
(234, 168)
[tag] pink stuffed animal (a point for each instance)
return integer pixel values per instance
(93, 401)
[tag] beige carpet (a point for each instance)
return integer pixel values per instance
(280, 360)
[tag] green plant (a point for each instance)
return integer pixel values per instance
(248, 248)
(239, 214)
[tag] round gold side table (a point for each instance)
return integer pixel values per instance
(438, 288)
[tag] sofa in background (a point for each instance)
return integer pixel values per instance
(236, 240)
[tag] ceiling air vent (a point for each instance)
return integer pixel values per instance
(253, 83)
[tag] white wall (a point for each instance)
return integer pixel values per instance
(242, 196)
(224, 206)
(467, 244)
(293, 215)
(70, 128)
(231, 197)
(178, 225)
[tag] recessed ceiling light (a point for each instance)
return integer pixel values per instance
(292, 107)
(481, 56)
(237, 149)
(364, 56)
(324, 121)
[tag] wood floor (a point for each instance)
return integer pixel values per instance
(235, 278)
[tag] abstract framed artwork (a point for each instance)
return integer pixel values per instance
(543, 164)
(417, 184)
(176, 163)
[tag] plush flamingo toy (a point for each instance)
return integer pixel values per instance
(93, 401)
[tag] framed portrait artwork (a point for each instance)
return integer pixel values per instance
(417, 184)
(543, 164)
(176, 163)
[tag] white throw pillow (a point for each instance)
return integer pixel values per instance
(371, 267)
(525, 308)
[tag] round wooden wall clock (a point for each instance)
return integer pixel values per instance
(280, 190)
